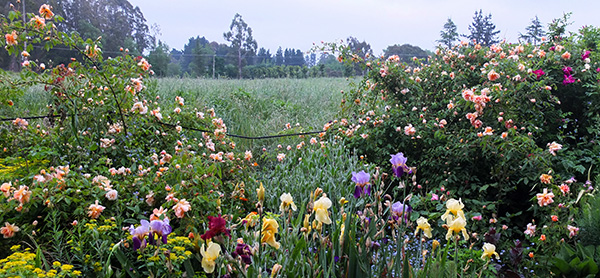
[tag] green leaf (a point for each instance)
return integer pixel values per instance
(560, 266)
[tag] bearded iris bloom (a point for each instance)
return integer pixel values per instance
(269, 229)
(209, 256)
(320, 208)
(423, 225)
(399, 164)
(216, 226)
(400, 210)
(243, 250)
(489, 250)
(362, 184)
(139, 234)
(455, 207)
(456, 225)
(161, 229)
(287, 201)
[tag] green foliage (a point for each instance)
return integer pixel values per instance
(580, 261)
(589, 222)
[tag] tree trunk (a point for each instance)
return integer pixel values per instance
(240, 63)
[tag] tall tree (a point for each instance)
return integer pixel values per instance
(240, 37)
(159, 58)
(264, 56)
(405, 52)
(279, 59)
(449, 34)
(535, 32)
(483, 30)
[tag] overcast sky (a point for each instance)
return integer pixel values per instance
(297, 24)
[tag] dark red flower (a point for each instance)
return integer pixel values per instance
(216, 226)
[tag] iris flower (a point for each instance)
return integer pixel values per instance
(320, 207)
(362, 184)
(455, 207)
(243, 250)
(161, 229)
(209, 256)
(139, 234)
(287, 201)
(399, 164)
(400, 210)
(423, 225)
(260, 193)
(216, 226)
(489, 250)
(269, 229)
(456, 225)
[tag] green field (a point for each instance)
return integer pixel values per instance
(261, 106)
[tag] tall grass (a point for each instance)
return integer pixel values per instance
(262, 106)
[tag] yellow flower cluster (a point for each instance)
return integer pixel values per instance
(21, 264)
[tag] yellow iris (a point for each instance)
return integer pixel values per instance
(287, 201)
(489, 250)
(320, 207)
(260, 193)
(269, 229)
(455, 207)
(456, 225)
(209, 255)
(423, 225)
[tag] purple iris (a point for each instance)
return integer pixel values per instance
(139, 234)
(399, 164)
(362, 184)
(161, 228)
(243, 250)
(400, 210)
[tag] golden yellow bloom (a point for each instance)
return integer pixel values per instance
(434, 245)
(306, 224)
(455, 207)
(209, 255)
(489, 250)
(269, 229)
(423, 225)
(260, 193)
(343, 228)
(287, 201)
(320, 207)
(276, 268)
(456, 225)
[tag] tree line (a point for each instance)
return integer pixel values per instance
(118, 26)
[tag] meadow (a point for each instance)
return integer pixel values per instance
(479, 161)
